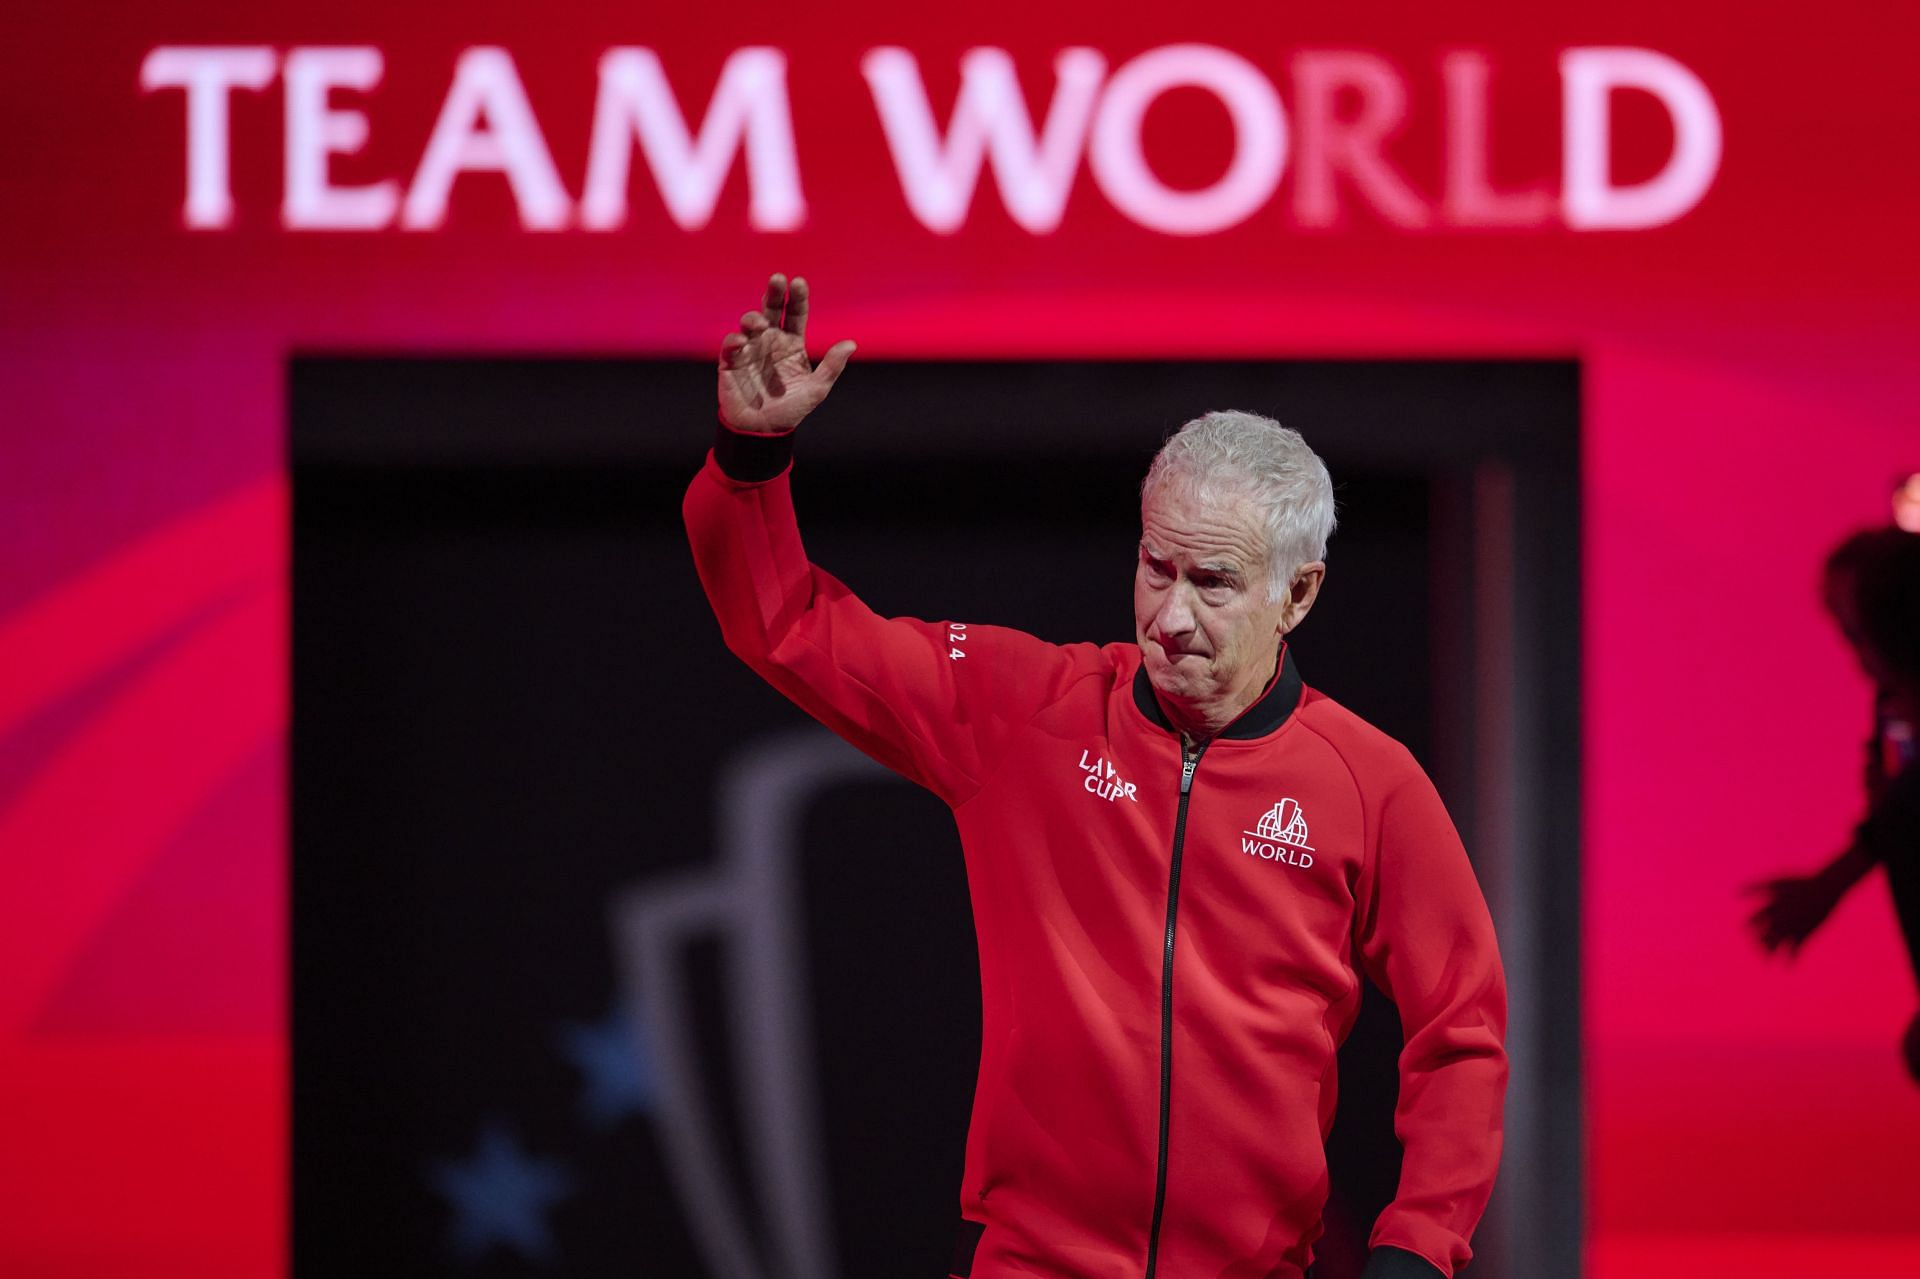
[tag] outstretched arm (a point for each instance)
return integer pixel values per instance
(931, 700)
(1793, 907)
(1796, 905)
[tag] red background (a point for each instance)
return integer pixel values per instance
(1749, 397)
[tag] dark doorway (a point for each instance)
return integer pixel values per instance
(512, 707)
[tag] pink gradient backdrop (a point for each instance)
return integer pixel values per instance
(1750, 386)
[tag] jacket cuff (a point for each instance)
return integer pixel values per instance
(1387, 1262)
(751, 457)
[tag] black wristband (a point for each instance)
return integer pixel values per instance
(749, 456)
(1388, 1262)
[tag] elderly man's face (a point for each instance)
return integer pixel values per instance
(1206, 631)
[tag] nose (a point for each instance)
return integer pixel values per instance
(1175, 619)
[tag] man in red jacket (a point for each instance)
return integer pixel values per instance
(1180, 858)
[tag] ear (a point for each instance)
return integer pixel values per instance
(1301, 593)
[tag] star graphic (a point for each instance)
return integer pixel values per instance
(613, 1061)
(501, 1196)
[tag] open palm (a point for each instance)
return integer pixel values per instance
(766, 382)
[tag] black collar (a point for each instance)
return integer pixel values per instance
(1259, 719)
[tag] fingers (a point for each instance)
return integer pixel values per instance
(784, 307)
(796, 319)
(775, 300)
(833, 362)
(1772, 930)
(1777, 934)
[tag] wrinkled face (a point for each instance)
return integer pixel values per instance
(1200, 612)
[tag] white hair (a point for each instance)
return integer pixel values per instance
(1228, 453)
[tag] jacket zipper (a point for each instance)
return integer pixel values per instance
(1191, 762)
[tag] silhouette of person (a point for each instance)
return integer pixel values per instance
(1872, 590)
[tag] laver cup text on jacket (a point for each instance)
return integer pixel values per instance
(1172, 924)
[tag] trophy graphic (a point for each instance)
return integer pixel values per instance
(747, 901)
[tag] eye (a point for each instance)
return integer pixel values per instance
(1210, 582)
(1156, 571)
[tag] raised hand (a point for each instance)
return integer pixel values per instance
(766, 383)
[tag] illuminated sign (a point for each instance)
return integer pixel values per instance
(1093, 120)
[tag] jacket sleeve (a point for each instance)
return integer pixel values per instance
(1426, 938)
(934, 701)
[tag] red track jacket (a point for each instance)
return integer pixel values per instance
(1168, 941)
